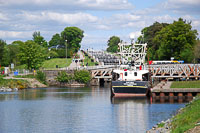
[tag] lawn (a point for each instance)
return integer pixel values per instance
(87, 60)
(61, 62)
(187, 118)
(186, 84)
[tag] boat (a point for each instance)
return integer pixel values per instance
(131, 79)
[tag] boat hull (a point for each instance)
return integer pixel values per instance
(129, 88)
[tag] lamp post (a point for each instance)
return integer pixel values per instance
(66, 51)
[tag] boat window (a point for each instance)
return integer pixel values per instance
(125, 74)
(135, 73)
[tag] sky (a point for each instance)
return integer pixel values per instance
(99, 19)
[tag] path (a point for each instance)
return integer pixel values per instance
(74, 64)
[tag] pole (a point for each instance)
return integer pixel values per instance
(66, 52)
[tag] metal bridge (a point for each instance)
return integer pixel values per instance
(189, 71)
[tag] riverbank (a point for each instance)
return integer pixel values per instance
(186, 120)
(13, 84)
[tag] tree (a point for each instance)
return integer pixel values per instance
(4, 54)
(73, 36)
(176, 40)
(37, 38)
(55, 40)
(148, 36)
(82, 76)
(197, 52)
(113, 44)
(31, 54)
(14, 50)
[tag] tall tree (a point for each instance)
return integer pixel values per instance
(55, 40)
(39, 39)
(148, 35)
(14, 50)
(2, 50)
(31, 54)
(73, 36)
(176, 40)
(113, 44)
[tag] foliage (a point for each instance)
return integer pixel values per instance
(13, 52)
(3, 53)
(187, 118)
(176, 40)
(41, 76)
(14, 83)
(72, 37)
(61, 62)
(37, 38)
(63, 77)
(197, 52)
(113, 44)
(55, 40)
(82, 76)
(186, 84)
(148, 36)
(31, 54)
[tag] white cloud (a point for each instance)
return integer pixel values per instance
(72, 4)
(14, 34)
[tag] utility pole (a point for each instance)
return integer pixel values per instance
(66, 51)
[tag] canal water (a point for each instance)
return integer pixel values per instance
(78, 110)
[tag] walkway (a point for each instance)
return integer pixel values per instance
(78, 64)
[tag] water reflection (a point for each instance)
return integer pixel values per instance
(88, 109)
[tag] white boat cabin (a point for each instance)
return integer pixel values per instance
(131, 75)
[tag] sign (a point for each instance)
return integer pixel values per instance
(12, 66)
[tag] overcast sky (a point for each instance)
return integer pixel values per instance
(100, 19)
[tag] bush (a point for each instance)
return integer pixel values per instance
(82, 76)
(41, 77)
(63, 77)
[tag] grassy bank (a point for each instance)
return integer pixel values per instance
(186, 84)
(89, 61)
(187, 118)
(61, 62)
(14, 83)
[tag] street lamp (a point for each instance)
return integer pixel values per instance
(66, 50)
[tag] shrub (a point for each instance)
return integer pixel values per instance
(41, 77)
(63, 77)
(82, 76)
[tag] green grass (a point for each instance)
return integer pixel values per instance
(87, 60)
(187, 118)
(186, 84)
(61, 62)
(161, 125)
(25, 76)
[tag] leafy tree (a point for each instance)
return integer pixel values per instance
(2, 51)
(55, 40)
(37, 38)
(14, 50)
(73, 36)
(197, 52)
(82, 76)
(176, 40)
(148, 37)
(113, 44)
(31, 54)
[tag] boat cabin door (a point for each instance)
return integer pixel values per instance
(121, 76)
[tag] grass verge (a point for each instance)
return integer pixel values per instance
(186, 84)
(61, 62)
(187, 118)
